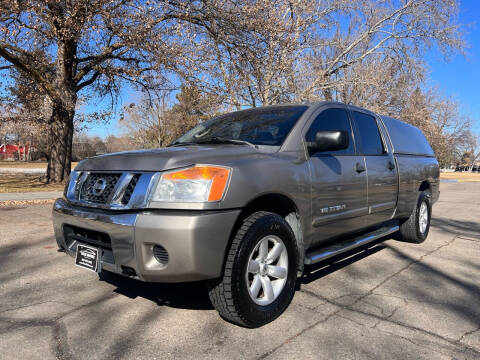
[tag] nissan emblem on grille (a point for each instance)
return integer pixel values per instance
(99, 186)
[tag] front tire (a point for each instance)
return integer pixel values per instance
(416, 228)
(260, 272)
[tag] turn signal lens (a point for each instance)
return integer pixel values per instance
(201, 183)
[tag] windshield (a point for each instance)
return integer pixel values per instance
(259, 126)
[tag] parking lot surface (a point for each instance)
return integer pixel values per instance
(392, 300)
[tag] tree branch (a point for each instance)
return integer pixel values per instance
(90, 81)
(95, 60)
(35, 74)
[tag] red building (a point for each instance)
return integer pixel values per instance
(14, 152)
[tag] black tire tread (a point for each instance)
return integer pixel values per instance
(408, 229)
(220, 292)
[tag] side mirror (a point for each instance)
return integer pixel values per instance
(329, 140)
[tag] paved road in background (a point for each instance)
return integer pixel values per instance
(18, 170)
(390, 301)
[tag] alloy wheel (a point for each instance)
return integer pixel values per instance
(267, 270)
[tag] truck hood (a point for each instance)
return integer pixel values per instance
(167, 158)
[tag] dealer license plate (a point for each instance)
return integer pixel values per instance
(87, 257)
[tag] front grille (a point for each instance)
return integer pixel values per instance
(109, 190)
(92, 237)
(98, 187)
(129, 189)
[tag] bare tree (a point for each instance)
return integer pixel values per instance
(398, 88)
(82, 147)
(382, 85)
(244, 53)
(157, 123)
(248, 56)
(146, 124)
(450, 130)
(470, 150)
(23, 128)
(371, 29)
(118, 143)
(90, 47)
(440, 120)
(25, 111)
(259, 54)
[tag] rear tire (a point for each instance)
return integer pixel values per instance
(258, 283)
(416, 228)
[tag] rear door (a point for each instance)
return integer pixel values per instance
(382, 175)
(338, 178)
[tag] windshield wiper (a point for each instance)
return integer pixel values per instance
(179, 143)
(222, 140)
(214, 140)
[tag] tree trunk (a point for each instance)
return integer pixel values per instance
(60, 142)
(63, 110)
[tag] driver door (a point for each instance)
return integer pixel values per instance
(338, 179)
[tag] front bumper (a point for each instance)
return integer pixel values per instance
(196, 241)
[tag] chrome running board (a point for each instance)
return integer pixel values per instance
(346, 245)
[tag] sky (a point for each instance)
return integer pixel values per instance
(458, 78)
(127, 96)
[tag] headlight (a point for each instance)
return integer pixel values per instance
(201, 183)
(69, 184)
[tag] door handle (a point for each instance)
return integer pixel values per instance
(391, 165)
(359, 168)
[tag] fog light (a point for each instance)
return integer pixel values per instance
(160, 254)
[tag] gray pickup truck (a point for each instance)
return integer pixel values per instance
(247, 199)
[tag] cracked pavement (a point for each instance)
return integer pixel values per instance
(391, 300)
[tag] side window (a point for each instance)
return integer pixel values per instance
(332, 119)
(370, 140)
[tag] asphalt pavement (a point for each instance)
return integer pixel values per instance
(392, 300)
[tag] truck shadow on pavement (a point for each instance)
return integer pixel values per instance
(192, 295)
(456, 226)
(450, 294)
(195, 296)
(323, 268)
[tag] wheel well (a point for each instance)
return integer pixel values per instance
(425, 185)
(278, 204)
